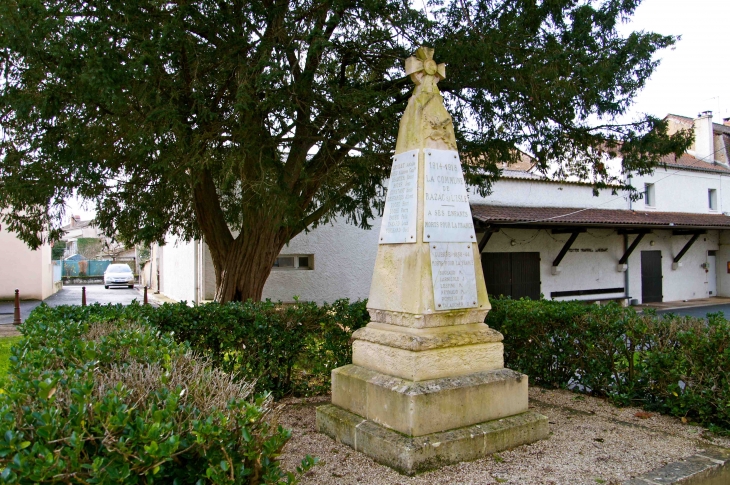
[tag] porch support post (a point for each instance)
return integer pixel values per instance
(687, 246)
(625, 258)
(485, 238)
(566, 246)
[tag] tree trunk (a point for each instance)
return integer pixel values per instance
(248, 263)
(242, 264)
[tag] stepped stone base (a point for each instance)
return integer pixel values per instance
(424, 354)
(429, 406)
(411, 455)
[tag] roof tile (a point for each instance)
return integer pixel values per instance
(597, 217)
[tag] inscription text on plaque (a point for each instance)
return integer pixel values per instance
(401, 202)
(454, 279)
(446, 211)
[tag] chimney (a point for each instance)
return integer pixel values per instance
(704, 141)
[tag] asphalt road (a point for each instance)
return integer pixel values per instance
(71, 295)
(700, 312)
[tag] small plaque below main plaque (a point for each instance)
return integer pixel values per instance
(453, 275)
(446, 211)
(401, 202)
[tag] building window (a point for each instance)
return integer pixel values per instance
(294, 261)
(649, 198)
(712, 199)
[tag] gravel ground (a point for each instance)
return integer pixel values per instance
(590, 442)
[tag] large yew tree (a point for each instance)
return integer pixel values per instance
(248, 122)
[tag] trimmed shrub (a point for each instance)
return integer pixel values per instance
(285, 349)
(96, 395)
(675, 365)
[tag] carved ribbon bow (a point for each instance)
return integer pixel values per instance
(422, 65)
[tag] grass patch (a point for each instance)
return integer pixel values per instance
(5, 344)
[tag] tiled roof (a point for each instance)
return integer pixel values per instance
(688, 161)
(492, 214)
(78, 225)
(525, 163)
(519, 174)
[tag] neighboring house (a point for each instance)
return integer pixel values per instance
(75, 230)
(537, 237)
(107, 249)
(29, 271)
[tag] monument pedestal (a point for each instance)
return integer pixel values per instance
(416, 399)
(416, 425)
(428, 386)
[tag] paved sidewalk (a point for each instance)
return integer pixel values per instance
(7, 308)
(71, 295)
(153, 298)
(698, 308)
(680, 304)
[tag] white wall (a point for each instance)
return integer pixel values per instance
(344, 258)
(683, 191)
(532, 193)
(344, 255)
(688, 281)
(29, 271)
(582, 268)
(46, 270)
(593, 269)
(177, 269)
(207, 271)
(722, 262)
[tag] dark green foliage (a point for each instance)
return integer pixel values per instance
(57, 250)
(286, 349)
(268, 118)
(675, 365)
(97, 396)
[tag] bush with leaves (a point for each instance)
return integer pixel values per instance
(98, 396)
(286, 349)
(672, 364)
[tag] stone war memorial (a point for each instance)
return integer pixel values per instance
(428, 386)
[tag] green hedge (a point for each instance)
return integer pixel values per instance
(286, 349)
(95, 395)
(671, 364)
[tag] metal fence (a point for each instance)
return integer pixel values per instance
(85, 268)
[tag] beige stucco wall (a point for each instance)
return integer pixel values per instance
(29, 271)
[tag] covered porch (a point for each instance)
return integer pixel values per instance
(600, 254)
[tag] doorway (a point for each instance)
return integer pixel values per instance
(515, 275)
(651, 277)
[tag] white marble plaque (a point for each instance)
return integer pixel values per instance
(454, 279)
(401, 202)
(446, 212)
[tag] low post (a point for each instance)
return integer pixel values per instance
(145, 294)
(16, 314)
(83, 296)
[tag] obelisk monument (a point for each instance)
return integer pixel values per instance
(428, 386)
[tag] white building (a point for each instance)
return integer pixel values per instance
(538, 237)
(29, 271)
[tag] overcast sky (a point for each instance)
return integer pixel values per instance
(693, 76)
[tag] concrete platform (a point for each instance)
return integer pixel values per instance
(411, 455)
